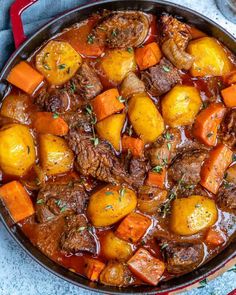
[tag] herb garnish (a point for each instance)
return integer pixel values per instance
(81, 228)
(121, 98)
(109, 193)
(234, 158)
(93, 121)
(157, 169)
(44, 63)
(40, 201)
(55, 115)
(165, 208)
(61, 66)
(169, 146)
(108, 207)
(168, 136)
(203, 283)
(89, 86)
(209, 134)
(130, 49)
(166, 69)
(72, 86)
(114, 33)
(164, 245)
(122, 192)
(95, 141)
(90, 39)
(63, 209)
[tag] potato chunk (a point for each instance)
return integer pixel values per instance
(17, 108)
(55, 155)
(116, 64)
(17, 152)
(145, 118)
(193, 214)
(58, 62)
(110, 129)
(181, 105)
(110, 204)
(210, 58)
(114, 248)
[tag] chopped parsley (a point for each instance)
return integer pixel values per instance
(89, 109)
(122, 192)
(169, 146)
(63, 209)
(157, 169)
(61, 66)
(120, 98)
(90, 39)
(130, 49)
(168, 136)
(109, 193)
(55, 115)
(166, 69)
(40, 201)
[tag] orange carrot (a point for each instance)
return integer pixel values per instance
(46, 122)
(230, 78)
(25, 77)
(207, 123)
(148, 268)
(214, 167)
(148, 56)
(16, 200)
(107, 103)
(133, 227)
(214, 237)
(135, 145)
(229, 96)
(93, 268)
(83, 41)
(156, 178)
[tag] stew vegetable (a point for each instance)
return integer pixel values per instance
(118, 148)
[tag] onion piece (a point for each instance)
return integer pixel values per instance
(131, 85)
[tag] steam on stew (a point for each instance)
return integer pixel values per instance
(118, 148)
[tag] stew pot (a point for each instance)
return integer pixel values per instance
(23, 52)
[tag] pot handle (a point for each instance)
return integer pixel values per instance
(15, 15)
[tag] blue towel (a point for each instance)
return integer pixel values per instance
(33, 18)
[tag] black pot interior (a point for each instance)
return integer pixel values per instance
(49, 30)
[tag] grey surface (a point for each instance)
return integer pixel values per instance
(19, 274)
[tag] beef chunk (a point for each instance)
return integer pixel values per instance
(229, 128)
(58, 100)
(97, 161)
(164, 149)
(60, 199)
(122, 29)
(182, 257)
(78, 120)
(46, 236)
(137, 170)
(187, 167)
(172, 28)
(226, 197)
(85, 83)
(76, 236)
(160, 78)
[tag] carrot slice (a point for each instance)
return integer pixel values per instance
(214, 167)
(230, 78)
(107, 103)
(148, 56)
(82, 40)
(229, 96)
(207, 123)
(156, 178)
(46, 122)
(16, 200)
(195, 33)
(135, 145)
(133, 227)
(214, 237)
(25, 77)
(148, 268)
(93, 268)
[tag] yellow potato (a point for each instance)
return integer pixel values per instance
(116, 64)
(210, 58)
(17, 108)
(110, 204)
(55, 155)
(110, 129)
(193, 214)
(115, 248)
(115, 274)
(181, 105)
(145, 117)
(58, 62)
(17, 151)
